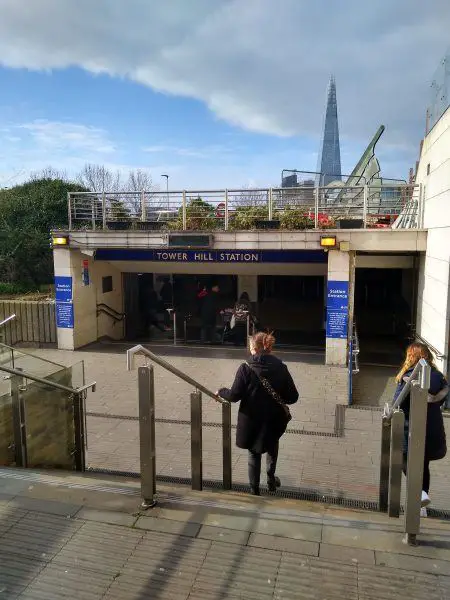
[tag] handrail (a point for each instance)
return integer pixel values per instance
(131, 353)
(104, 306)
(52, 384)
(7, 320)
(434, 350)
(106, 310)
(422, 367)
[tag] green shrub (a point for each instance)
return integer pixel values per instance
(15, 289)
(294, 218)
(245, 217)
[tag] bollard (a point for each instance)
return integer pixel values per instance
(396, 463)
(416, 453)
(196, 441)
(226, 445)
(147, 436)
(384, 463)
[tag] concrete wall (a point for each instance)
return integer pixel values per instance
(434, 273)
(88, 326)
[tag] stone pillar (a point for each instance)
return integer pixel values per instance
(249, 284)
(76, 307)
(340, 291)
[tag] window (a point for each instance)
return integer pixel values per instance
(107, 284)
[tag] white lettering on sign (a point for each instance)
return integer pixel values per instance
(239, 256)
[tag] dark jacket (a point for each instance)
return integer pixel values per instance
(209, 309)
(435, 442)
(261, 420)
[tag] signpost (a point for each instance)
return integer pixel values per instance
(64, 302)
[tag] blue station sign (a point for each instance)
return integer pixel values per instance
(212, 256)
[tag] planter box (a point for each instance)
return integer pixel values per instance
(118, 225)
(148, 226)
(350, 224)
(266, 224)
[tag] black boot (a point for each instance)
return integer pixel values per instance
(255, 490)
(273, 483)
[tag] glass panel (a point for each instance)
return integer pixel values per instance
(7, 458)
(49, 422)
(35, 365)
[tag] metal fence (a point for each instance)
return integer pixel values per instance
(439, 93)
(306, 207)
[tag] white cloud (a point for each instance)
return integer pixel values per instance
(258, 64)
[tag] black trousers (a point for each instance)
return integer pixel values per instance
(426, 472)
(254, 465)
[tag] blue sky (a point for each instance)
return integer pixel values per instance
(217, 94)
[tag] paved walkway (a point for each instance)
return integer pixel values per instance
(316, 456)
(65, 536)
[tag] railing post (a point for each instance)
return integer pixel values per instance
(316, 207)
(19, 425)
(69, 210)
(183, 210)
(365, 205)
(143, 207)
(270, 199)
(416, 454)
(174, 314)
(196, 441)
(79, 431)
(104, 210)
(226, 210)
(226, 445)
(396, 463)
(384, 463)
(93, 212)
(147, 435)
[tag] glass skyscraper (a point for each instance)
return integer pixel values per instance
(329, 164)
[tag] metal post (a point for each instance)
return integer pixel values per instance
(147, 435)
(196, 441)
(104, 210)
(384, 463)
(93, 213)
(416, 453)
(19, 425)
(143, 207)
(69, 211)
(174, 327)
(396, 463)
(226, 445)
(79, 430)
(184, 211)
(316, 207)
(226, 210)
(365, 205)
(270, 204)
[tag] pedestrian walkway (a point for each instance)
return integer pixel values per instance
(329, 450)
(73, 536)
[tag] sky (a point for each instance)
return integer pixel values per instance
(214, 93)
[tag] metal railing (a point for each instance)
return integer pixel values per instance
(146, 384)
(304, 207)
(392, 451)
(7, 320)
(19, 410)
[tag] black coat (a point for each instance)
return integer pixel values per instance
(435, 441)
(209, 309)
(261, 420)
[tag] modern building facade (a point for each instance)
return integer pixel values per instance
(329, 164)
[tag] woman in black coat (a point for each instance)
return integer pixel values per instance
(435, 440)
(262, 419)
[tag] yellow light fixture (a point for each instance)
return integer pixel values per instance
(60, 240)
(328, 241)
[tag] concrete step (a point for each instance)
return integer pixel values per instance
(68, 535)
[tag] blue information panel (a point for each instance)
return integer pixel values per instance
(64, 315)
(63, 289)
(337, 309)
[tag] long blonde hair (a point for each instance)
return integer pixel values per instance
(414, 353)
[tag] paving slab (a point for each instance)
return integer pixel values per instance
(347, 555)
(107, 516)
(51, 507)
(413, 563)
(230, 536)
(283, 544)
(167, 526)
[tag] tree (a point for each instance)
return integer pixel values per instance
(27, 214)
(98, 178)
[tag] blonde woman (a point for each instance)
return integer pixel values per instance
(264, 387)
(435, 441)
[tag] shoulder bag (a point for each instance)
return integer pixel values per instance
(275, 395)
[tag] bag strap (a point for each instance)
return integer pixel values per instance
(267, 386)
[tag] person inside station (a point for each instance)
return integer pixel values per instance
(151, 310)
(166, 295)
(238, 324)
(208, 314)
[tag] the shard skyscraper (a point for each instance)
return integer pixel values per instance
(329, 164)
